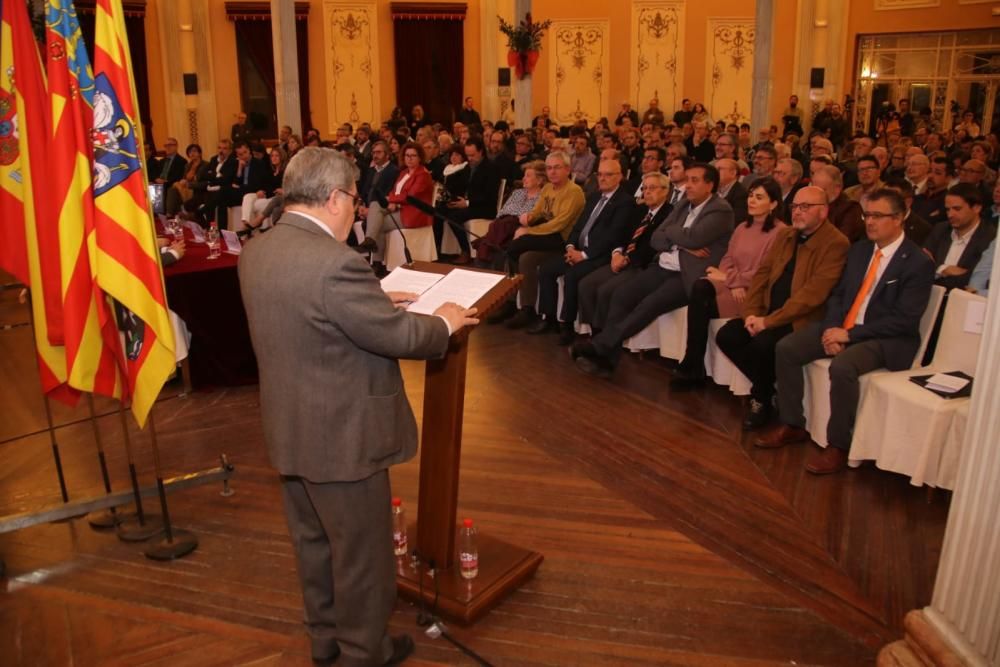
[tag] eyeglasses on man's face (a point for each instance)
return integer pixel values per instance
(876, 216)
(803, 206)
(355, 199)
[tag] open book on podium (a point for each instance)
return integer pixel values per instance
(502, 566)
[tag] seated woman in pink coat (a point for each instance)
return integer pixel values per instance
(413, 181)
(722, 291)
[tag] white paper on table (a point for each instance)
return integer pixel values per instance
(975, 317)
(949, 384)
(408, 280)
(233, 245)
(460, 286)
(196, 230)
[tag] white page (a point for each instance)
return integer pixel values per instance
(233, 245)
(462, 287)
(975, 316)
(408, 280)
(946, 383)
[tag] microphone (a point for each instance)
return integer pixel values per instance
(458, 228)
(384, 203)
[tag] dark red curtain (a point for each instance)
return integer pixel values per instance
(429, 61)
(253, 37)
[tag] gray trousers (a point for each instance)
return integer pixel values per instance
(342, 533)
(796, 350)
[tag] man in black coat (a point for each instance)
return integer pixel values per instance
(468, 115)
(601, 227)
(957, 246)
(872, 321)
(480, 200)
(171, 167)
(250, 175)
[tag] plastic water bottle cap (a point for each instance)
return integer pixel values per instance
(396, 502)
(467, 523)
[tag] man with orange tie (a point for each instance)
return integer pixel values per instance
(871, 322)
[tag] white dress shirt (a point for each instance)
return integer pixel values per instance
(671, 259)
(956, 248)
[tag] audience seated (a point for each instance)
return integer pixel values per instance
(957, 246)
(788, 174)
(378, 179)
(930, 204)
(171, 166)
(731, 189)
(871, 322)
(181, 192)
(916, 228)
(254, 203)
(501, 231)
(844, 213)
(693, 237)
(413, 181)
(582, 160)
(478, 201)
(786, 294)
(653, 160)
(723, 290)
(869, 178)
(220, 174)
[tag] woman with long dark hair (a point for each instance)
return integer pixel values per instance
(723, 289)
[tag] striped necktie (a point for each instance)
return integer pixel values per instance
(639, 231)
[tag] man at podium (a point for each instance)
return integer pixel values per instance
(333, 407)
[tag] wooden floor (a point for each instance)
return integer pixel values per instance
(668, 540)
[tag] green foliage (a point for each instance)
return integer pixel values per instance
(526, 36)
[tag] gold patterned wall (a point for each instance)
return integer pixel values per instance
(729, 69)
(657, 53)
(579, 70)
(350, 33)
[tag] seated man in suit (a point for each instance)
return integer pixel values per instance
(872, 321)
(221, 171)
(929, 205)
(251, 175)
(693, 237)
(171, 167)
(731, 189)
(786, 294)
(653, 159)
(600, 228)
(480, 200)
(844, 212)
(916, 228)
(378, 179)
(957, 246)
(628, 260)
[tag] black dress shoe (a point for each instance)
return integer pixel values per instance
(596, 366)
(566, 334)
(368, 245)
(505, 312)
(402, 647)
(525, 317)
(328, 659)
(584, 348)
(542, 327)
(758, 414)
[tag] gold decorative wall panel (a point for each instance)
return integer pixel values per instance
(657, 68)
(729, 69)
(906, 4)
(350, 34)
(579, 69)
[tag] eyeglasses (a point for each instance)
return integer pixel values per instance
(804, 206)
(875, 216)
(355, 199)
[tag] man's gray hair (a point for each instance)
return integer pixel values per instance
(794, 166)
(314, 173)
(836, 178)
(559, 155)
(658, 176)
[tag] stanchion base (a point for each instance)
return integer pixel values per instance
(104, 520)
(130, 530)
(184, 542)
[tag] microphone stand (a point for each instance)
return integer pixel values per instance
(459, 228)
(384, 203)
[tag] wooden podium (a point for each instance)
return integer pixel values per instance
(502, 566)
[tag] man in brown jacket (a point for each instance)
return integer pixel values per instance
(787, 292)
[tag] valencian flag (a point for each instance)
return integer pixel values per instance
(89, 332)
(24, 147)
(125, 253)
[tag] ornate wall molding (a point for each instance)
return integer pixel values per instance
(657, 67)
(729, 68)
(350, 37)
(579, 67)
(905, 4)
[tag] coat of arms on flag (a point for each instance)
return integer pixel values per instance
(116, 147)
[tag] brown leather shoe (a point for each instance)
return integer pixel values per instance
(781, 436)
(827, 461)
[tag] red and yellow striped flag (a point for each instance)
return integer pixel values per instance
(94, 359)
(125, 254)
(24, 145)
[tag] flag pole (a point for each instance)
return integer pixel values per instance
(177, 543)
(108, 518)
(142, 526)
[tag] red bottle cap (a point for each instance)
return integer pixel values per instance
(467, 523)
(396, 502)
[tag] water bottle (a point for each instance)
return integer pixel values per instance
(468, 552)
(399, 540)
(212, 238)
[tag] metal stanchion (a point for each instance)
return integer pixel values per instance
(141, 526)
(108, 518)
(177, 543)
(55, 449)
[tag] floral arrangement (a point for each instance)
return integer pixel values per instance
(524, 41)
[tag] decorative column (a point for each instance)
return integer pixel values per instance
(760, 112)
(522, 87)
(962, 624)
(189, 67)
(820, 46)
(286, 64)
(489, 29)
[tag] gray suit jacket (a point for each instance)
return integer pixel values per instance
(711, 229)
(327, 341)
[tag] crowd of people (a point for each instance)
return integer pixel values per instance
(792, 237)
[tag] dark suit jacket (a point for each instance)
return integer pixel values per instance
(939, 242)
(644, 253)
(916, 228)
(711, 229)
(176, 172)
(609, 230)
(737, 200)
(222, 177)
(320, 322)
(484, 186)
(896, 305)
(378, 182)
(931, 208)
(258, 179)
(506, 168)
(845, 214)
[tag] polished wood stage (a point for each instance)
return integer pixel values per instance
(668, 540)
